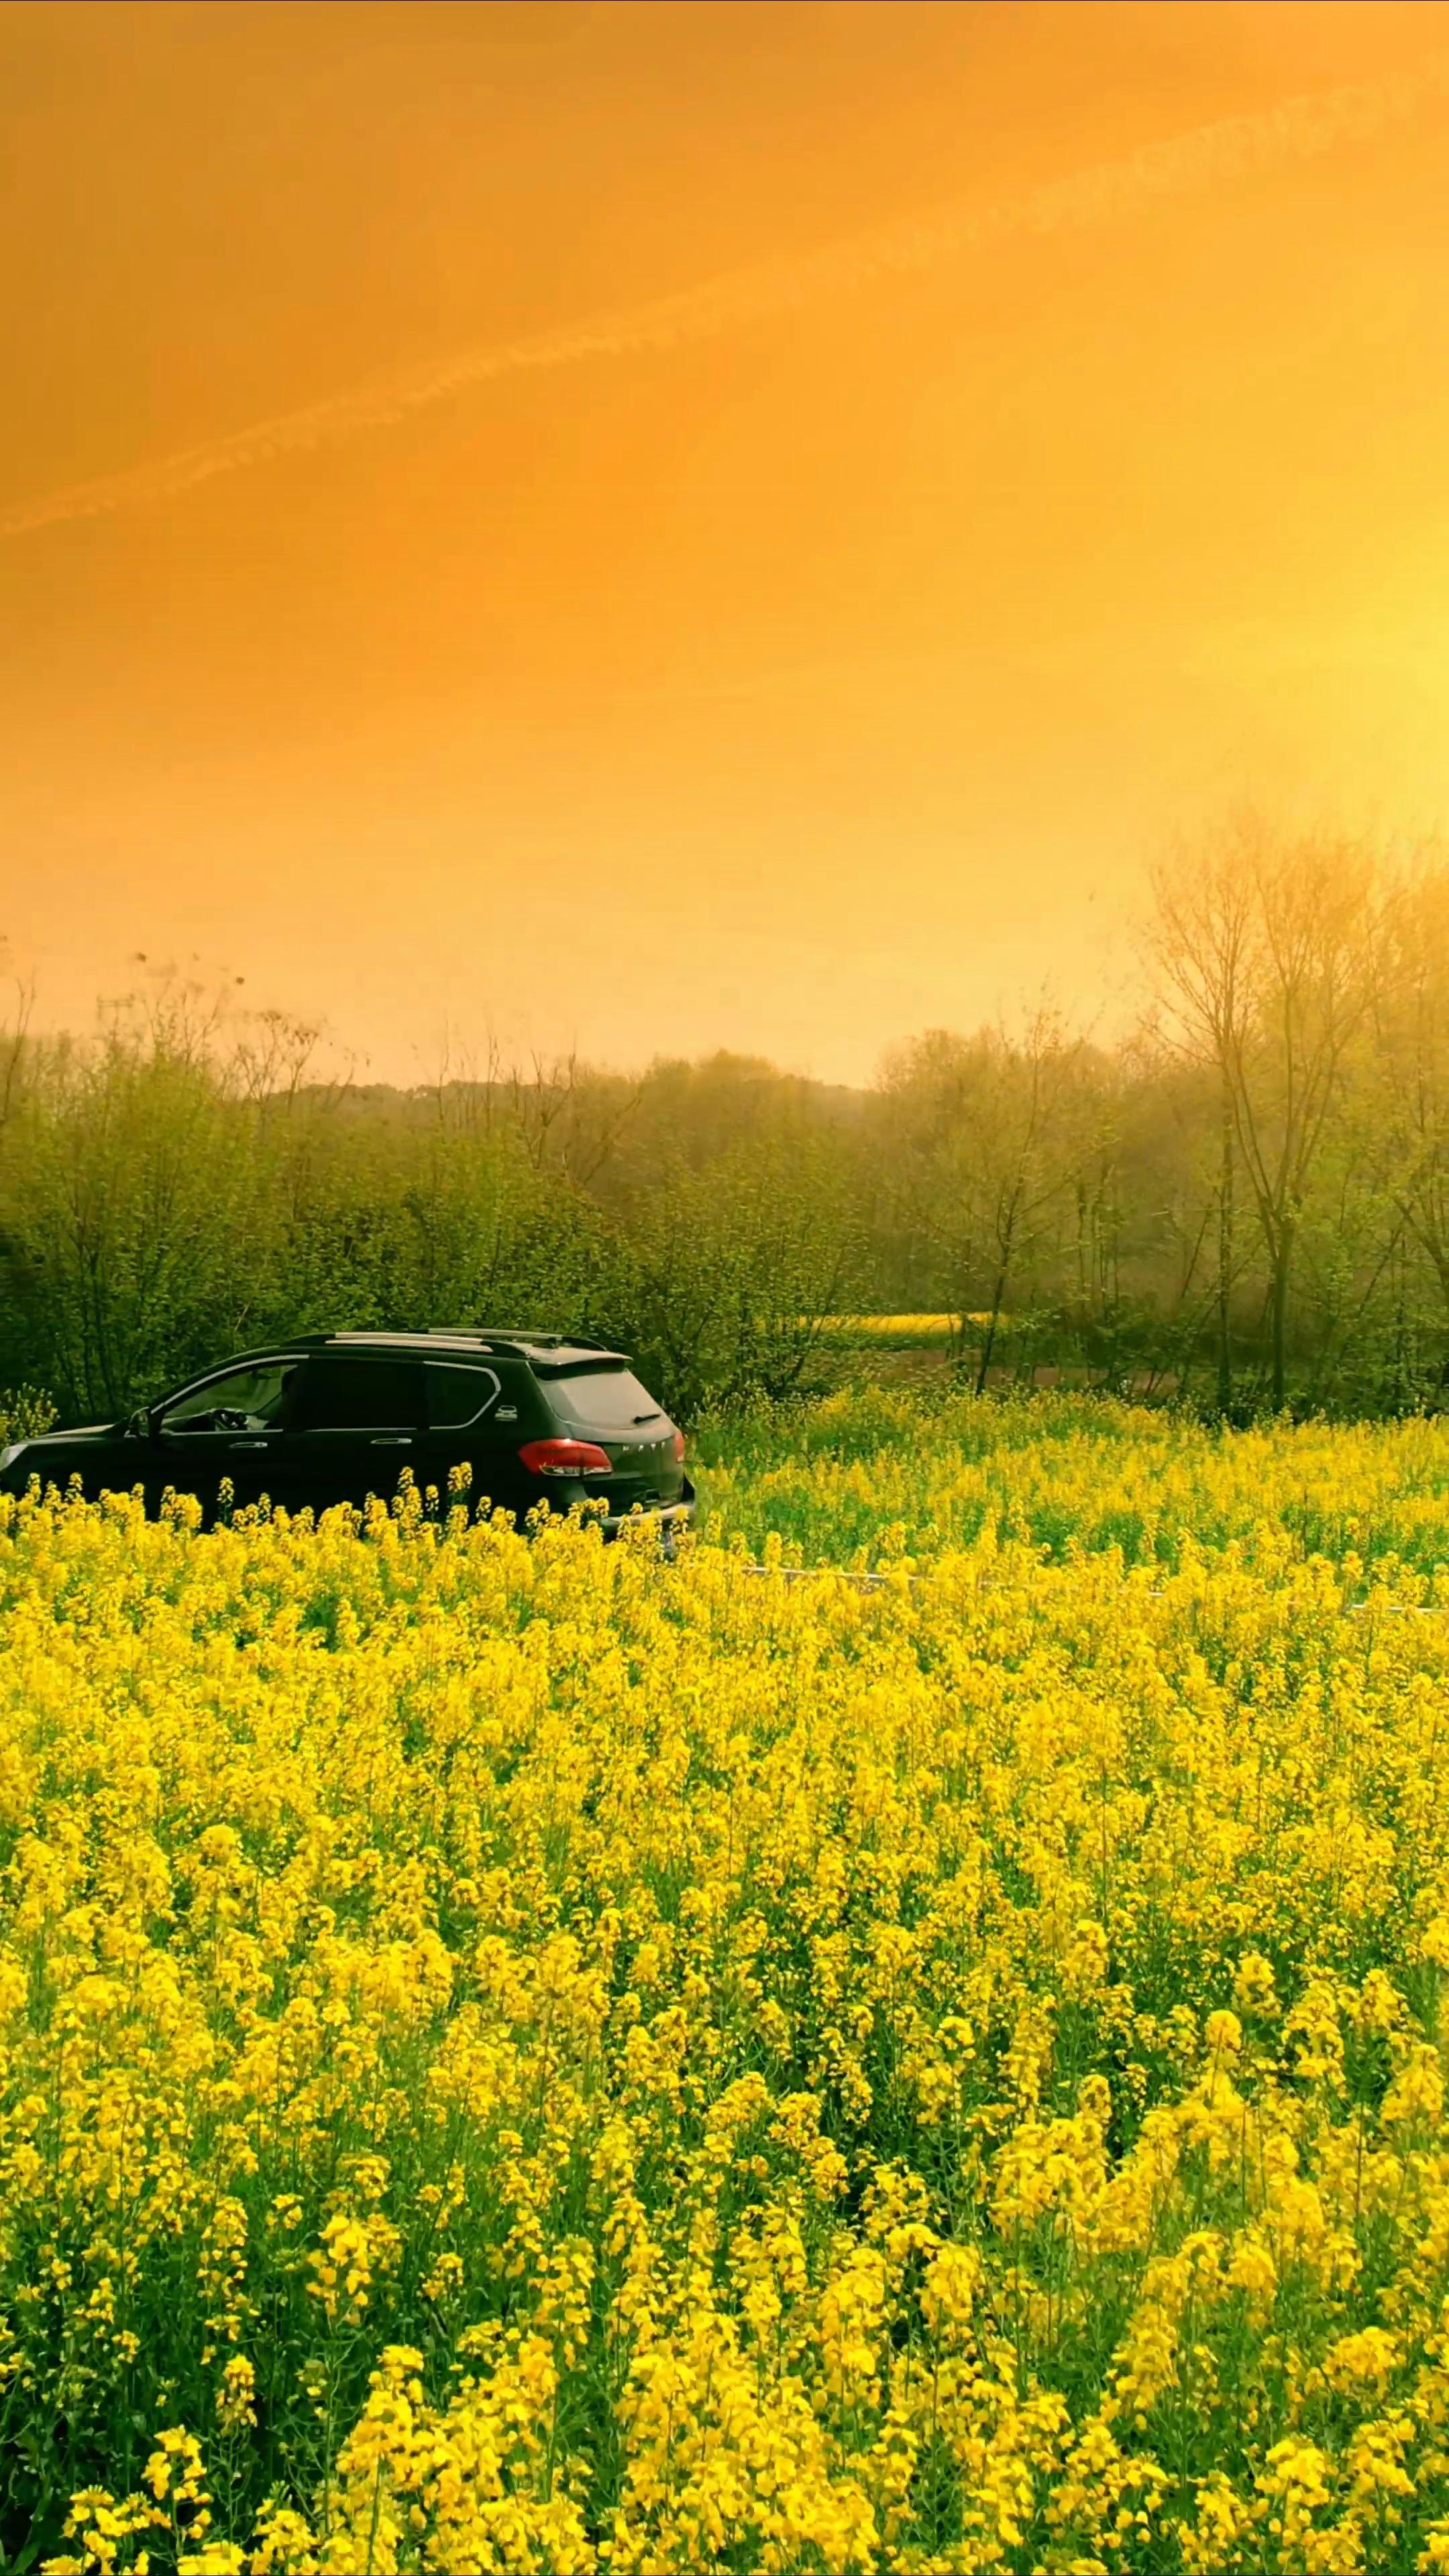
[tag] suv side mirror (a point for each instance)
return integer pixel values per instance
(139, 1426)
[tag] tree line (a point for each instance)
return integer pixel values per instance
(1241, 1202)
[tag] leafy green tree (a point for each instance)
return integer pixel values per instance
(726, 1276)
(131, 1196)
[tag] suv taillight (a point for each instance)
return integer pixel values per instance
(679, 1447)
(565, 1458)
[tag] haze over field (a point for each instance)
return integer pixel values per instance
(665, 527)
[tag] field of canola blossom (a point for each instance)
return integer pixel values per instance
(519, 2056)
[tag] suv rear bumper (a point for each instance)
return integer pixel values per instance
(664, 1516)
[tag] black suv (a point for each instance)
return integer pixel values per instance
(335, 1417)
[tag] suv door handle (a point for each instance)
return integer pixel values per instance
(248, 1444)
(393, 1440)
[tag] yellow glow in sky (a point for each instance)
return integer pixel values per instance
(659, 526)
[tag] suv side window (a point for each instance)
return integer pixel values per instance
(343, 1392)
(458, 1396)
(249, 1399)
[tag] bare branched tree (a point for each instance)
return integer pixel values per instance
(1411, 1030)
(1263, 947)
(982, 1129)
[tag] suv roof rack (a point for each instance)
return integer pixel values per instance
(510, 1333)
(545, 1348)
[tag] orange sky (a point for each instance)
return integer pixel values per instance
(787, 664)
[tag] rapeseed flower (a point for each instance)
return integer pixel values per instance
(514, 2055)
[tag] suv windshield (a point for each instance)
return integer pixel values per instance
(607, 1400)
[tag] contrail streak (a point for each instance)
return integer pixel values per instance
(1301, 128)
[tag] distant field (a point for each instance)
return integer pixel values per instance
(907, 1332)
(927, 1332)
(907, 1350)
(520, 2056)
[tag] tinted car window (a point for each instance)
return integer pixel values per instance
(609, 1400)
(249, 1399)
(456, 1396)
(345, 1394)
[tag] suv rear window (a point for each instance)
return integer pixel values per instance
(608, 1400)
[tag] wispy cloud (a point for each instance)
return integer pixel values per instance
(1301, 128)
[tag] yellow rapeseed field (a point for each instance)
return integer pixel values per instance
(930, 1332)
(895, 1328)
(520, 2056)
